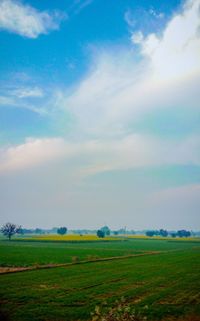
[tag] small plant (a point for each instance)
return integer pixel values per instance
(75, 259)
(121, 311)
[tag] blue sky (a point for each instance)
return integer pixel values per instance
(99, 113)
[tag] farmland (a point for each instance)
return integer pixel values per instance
(167, 283)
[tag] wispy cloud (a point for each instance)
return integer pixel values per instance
(147, 19)
(79, 5)
(27, 21)
(6, 101)
(26, 92)
(25, 97)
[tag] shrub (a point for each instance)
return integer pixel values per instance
(121, 311)
(75, 259)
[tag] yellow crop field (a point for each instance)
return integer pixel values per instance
(72, 237)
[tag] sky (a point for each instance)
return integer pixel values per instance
(99, 113)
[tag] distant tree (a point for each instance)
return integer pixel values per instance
(150, 233)
(163, 233)
(100, 233)
(173, 234)
(115, 232)
(9, 229)
(183, 233)
(27, 231)
(38, 231)
(20, 230)
(106, 230)
(122, 231)
(62, 230)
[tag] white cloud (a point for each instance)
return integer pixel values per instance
(154, 13)
(176, 53)
(27, 21)
(137, 37)
(129, 18)
(27, 92)
(6, 101)
(144, 19)
(118, 88)
(15, 98)
(78, 5)
(93, 156)
(31, 153)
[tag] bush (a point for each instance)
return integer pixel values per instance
(75, 259)
(121, 311)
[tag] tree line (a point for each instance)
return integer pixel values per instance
(10, 229)
(165, 233)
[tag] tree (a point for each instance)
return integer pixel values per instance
(163, 233)
(100, 233)
(9, 229)
(150, 233)
(38, 231)
(173, 234)
(106, 230)
(62, 230)
(183, 233)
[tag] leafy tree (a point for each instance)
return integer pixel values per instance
(183, 233)
(62, 230)
(9, 229)
(150, 233)
(173, 234)
(100, 233)
(163, 233)
(106, 230)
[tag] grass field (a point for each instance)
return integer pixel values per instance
(168, 282)
(30, 252)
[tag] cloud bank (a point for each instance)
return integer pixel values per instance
(156, 72)
(117, 92)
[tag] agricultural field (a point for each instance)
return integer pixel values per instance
(161, 277)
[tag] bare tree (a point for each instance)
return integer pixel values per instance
(9, 229)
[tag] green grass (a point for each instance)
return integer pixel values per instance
(168, 283)
(25, 253)
(31, 253)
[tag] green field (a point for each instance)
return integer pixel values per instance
(168, 282)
